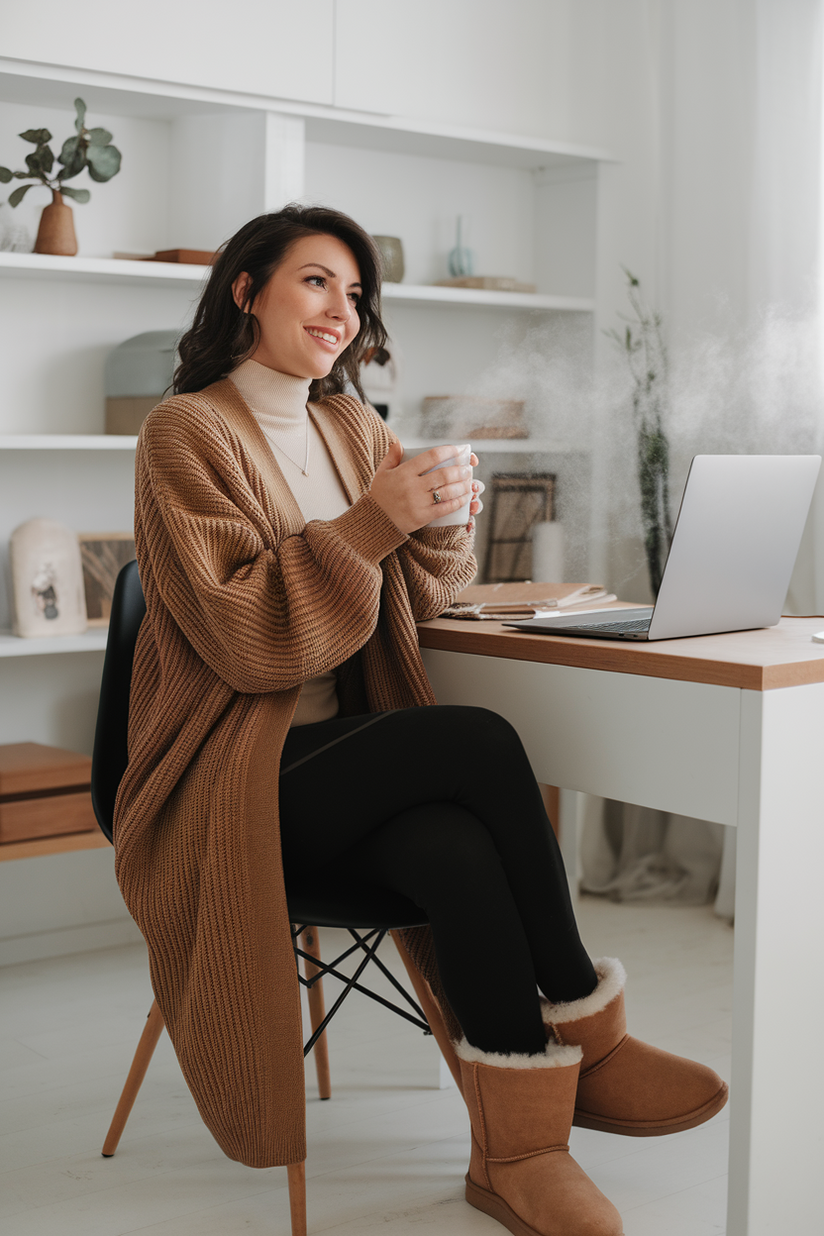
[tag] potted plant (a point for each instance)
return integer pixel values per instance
(89, 149)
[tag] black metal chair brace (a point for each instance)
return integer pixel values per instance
(352, 984)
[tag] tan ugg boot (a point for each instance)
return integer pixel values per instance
(520, 1171)
(626, 1086)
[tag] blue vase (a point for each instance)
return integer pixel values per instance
(461, 260)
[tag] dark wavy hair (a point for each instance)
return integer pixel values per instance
(223, 335)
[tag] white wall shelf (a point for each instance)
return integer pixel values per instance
(30, 82)
(118, 442)
(493, 446)
(93, 640)
(431, 294)
(101, 270)
(173, 274)
(67, 442)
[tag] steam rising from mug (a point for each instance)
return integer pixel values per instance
(733, 390)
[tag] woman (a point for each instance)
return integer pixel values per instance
(276, 728)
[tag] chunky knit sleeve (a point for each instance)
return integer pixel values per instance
(437, 563)
(264, 602)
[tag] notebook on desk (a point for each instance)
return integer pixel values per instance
(733, 550)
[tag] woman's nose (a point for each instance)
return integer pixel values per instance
(340, 307)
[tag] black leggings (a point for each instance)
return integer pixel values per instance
(440, 804)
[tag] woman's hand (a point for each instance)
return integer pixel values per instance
(476, 506)
(405, 493)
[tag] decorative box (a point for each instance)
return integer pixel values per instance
(44, 791)
(138, 373)
(190, 257)
(466, 417)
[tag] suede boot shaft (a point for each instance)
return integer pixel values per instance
(521, 1172)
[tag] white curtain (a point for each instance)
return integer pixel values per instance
(775, 60)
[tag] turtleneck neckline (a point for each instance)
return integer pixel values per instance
(277, 399)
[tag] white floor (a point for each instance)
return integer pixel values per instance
(387, 1153)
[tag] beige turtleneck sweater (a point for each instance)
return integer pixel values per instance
(279, 403)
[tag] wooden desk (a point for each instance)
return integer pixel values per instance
(727, 728)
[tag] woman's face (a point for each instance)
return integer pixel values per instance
(308, 311)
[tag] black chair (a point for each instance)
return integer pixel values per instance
(365, 914)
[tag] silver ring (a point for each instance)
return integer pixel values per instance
(436, 497)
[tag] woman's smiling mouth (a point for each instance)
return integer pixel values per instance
(326, 335)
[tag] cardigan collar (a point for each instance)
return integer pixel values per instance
(231, 404)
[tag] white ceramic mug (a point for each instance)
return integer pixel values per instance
(461, 516)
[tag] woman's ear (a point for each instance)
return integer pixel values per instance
(240, 288)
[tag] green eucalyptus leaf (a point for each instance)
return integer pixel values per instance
(68, 150)
(40, 163)
(79, 195)
(104, 162)
(99, 137)
(18, 195)
(81, 114)
(73, 156)
(38, 136)
(5, 175)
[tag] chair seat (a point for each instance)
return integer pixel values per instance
(327, 905)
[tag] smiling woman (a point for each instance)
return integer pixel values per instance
(277, 728)
(229, 322)
(307, 315)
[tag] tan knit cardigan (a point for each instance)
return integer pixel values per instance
(245, 601)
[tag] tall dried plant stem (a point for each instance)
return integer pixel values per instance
(642, 342)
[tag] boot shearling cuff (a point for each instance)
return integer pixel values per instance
(555, 1057)
(611, 980)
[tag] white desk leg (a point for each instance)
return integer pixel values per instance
(445, 1078)
(777, 1131)
(568, 813)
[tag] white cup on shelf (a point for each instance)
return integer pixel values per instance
(461, 516)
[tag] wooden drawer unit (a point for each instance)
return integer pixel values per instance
(44, 792)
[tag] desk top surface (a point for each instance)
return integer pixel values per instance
(762, 660)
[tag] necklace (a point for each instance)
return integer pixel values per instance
(304, 467)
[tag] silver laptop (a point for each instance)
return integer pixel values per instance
(733, 551)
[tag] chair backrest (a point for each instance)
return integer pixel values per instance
(110, 755)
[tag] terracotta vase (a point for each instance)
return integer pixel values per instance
(56, 231)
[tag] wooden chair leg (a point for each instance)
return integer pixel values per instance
(142, 1057)
(297, 1197)
(317, 1012)
(552, 804)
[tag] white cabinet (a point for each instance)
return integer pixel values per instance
(198, 161)
(276, 48)
(524, 66)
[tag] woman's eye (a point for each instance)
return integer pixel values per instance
(317, 279)
(355, 298)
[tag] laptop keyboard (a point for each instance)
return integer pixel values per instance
(637, 624)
